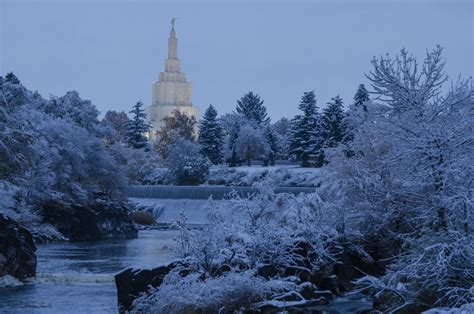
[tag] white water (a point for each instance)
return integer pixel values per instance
(171, 208)
(79, 277)
(202, 192)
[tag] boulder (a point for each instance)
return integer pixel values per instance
(131, 283)
(143, 218)
(330, 283)
(96, 221)
(17, 250)
(268, 271)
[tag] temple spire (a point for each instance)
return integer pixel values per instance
(173, 42)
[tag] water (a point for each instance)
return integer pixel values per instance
(79, 277)
(170, 209)
(201, 192)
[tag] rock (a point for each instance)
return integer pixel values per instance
(17, 250)
(143, 218)
(291, 296)
(131, 283)
(268, 271)
(326, 294)
(353, 262)
(99, 220)
(302, 273)
(307, 290)
(330, 283)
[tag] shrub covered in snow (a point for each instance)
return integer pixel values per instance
(225, 294)
(222, 259)
(186, 164)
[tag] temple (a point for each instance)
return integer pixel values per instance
(171, 91)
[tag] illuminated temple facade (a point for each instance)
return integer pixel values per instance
(171, 91)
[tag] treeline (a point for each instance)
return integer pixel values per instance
(243, 136)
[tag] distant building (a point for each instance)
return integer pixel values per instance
(172, 91)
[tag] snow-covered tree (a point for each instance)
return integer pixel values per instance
(231, 124)
(178, 124)
(51, 149)
(305, 142)
(282, 128)
(116, 123)
(361, 97)
(210, 136)
(333, 123)
(11, 78)
(271, 137)
(251, 106)
(138, 127)
(73, 108)
(186, 164)
(409, 182)
(251, 144)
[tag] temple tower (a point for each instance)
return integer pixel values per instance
(171, 91)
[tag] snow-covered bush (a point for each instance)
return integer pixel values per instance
(225, 294)
(142, 166)
(222, 258)
(186, 164)
(432, 272)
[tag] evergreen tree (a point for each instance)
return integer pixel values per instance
(251, 106)
(272, 140)
(137, 128)
(10, 77)
(333, 123)
(210, 136)
(232, 158)
(304, 134)
(361, 96)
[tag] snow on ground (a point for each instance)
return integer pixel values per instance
(259, 168)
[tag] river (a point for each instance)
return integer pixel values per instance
(79, 277)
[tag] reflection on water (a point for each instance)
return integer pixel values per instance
(78, 277)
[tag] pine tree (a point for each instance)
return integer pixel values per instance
(304, 133)
(233, 159)
(210, 136)
(137, 128)
(361, 96)
(253, 109)
(272, 140)
(10, 77)
(333, 123)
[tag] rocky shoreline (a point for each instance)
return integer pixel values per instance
(97, 221)
(316, 290)
(17, 250)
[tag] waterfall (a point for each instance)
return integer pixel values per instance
(202, 192)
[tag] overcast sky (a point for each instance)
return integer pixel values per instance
(111, 51)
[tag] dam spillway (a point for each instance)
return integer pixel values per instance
(203, 192)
